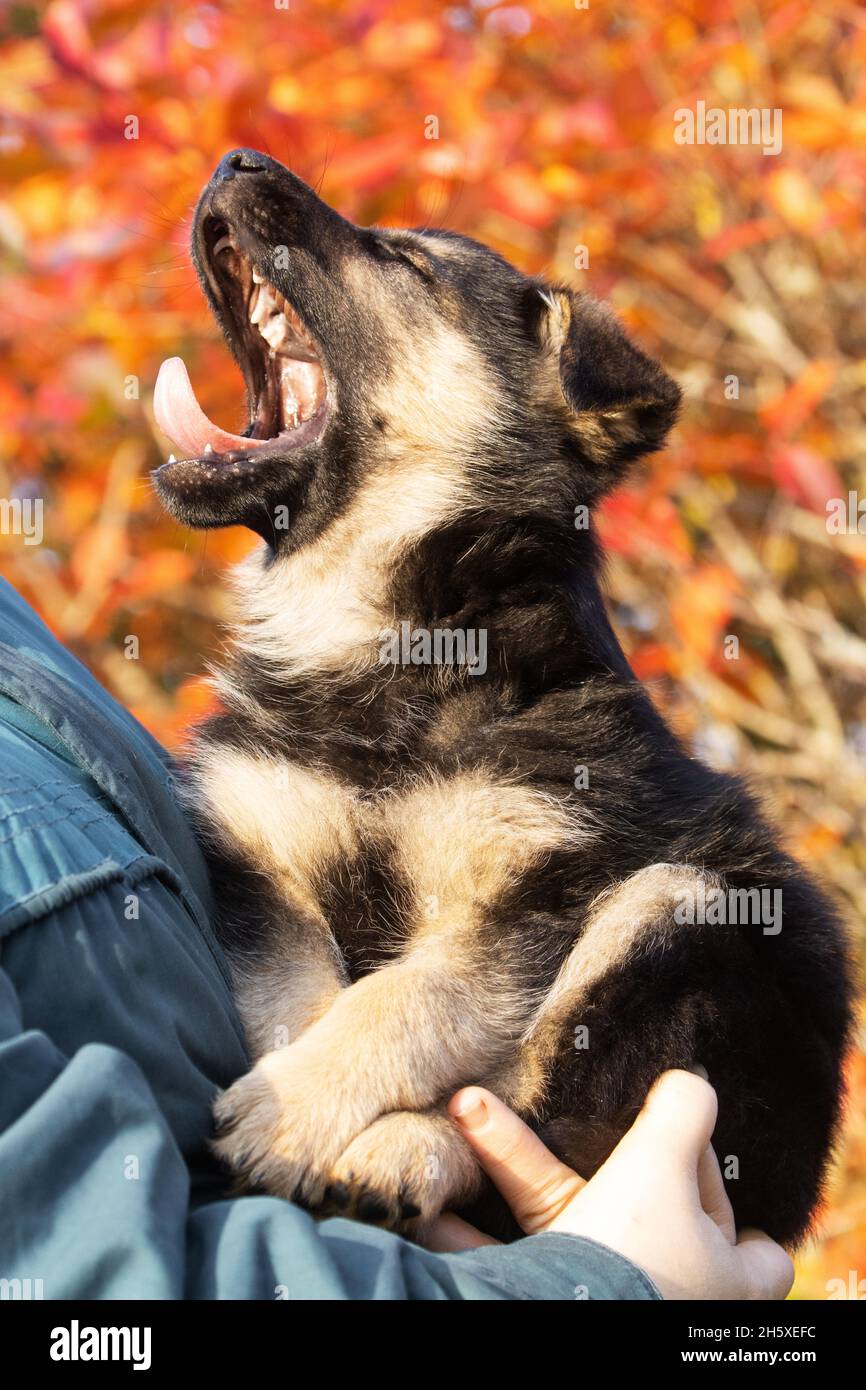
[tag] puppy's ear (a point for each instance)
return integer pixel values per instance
(621, 403)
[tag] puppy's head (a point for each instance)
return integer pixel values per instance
(373, 352)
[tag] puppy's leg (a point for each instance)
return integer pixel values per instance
(414, 1159)
(563, 1048)
(445, 1013)
(273, 830)
(398, 1039)
(636, 920)
(293, 977)
(402, 1171)
(644, 991)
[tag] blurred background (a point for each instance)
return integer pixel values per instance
(552, 139)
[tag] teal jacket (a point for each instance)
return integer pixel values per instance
(117, 1029)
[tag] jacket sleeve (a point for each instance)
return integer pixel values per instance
(96, 1201)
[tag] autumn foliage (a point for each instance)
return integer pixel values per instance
(546, 130)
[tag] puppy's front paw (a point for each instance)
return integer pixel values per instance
(401, 1172)
(279, 1128)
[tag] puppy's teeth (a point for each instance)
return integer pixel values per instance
(264, 306)
(275, 331)
(208, 448)
(258, 308)
(171, 459)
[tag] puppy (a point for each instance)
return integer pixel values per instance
(451, 839)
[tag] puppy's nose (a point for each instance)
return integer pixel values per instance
(240, 162)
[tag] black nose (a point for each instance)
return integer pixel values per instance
(240, 162)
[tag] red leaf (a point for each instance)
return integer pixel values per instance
(806, 476)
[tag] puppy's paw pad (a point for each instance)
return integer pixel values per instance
(400, 1172)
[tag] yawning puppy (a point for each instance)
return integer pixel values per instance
(451, 839)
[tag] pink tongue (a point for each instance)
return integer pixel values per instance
(179, 415)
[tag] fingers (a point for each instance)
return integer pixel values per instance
(714, 1198)
(450, 1233)
(767, 1269)
(678, 1117)
(535, 1185)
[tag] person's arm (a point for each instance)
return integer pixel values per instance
(95, 1194)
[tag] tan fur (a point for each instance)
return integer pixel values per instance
(599, 431)
(463, 841)
(286, 992)
(406, 1157)
(324, 607)
(440, 398)
(603, 431)
(401, 1038)
(327, 1110)
(459, 841)
(443, 401)
(621, 922)
(404, 1036)
(292, 822)
(397, 1039)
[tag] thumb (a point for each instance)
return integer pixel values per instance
(714, 1198)
(768, 1270)
(678, 1119)
(535, 1185)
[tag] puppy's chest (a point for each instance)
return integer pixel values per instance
(429, 856)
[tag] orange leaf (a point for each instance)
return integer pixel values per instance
(700, 610)
(784, 414)
(519, 192)
(795, 199)
(158, 571)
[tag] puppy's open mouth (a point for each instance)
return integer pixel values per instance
(282, 365)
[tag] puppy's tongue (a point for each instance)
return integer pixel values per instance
(179, 415)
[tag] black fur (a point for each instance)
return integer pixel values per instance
(767, 1015)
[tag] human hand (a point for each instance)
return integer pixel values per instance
(659, 1199)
